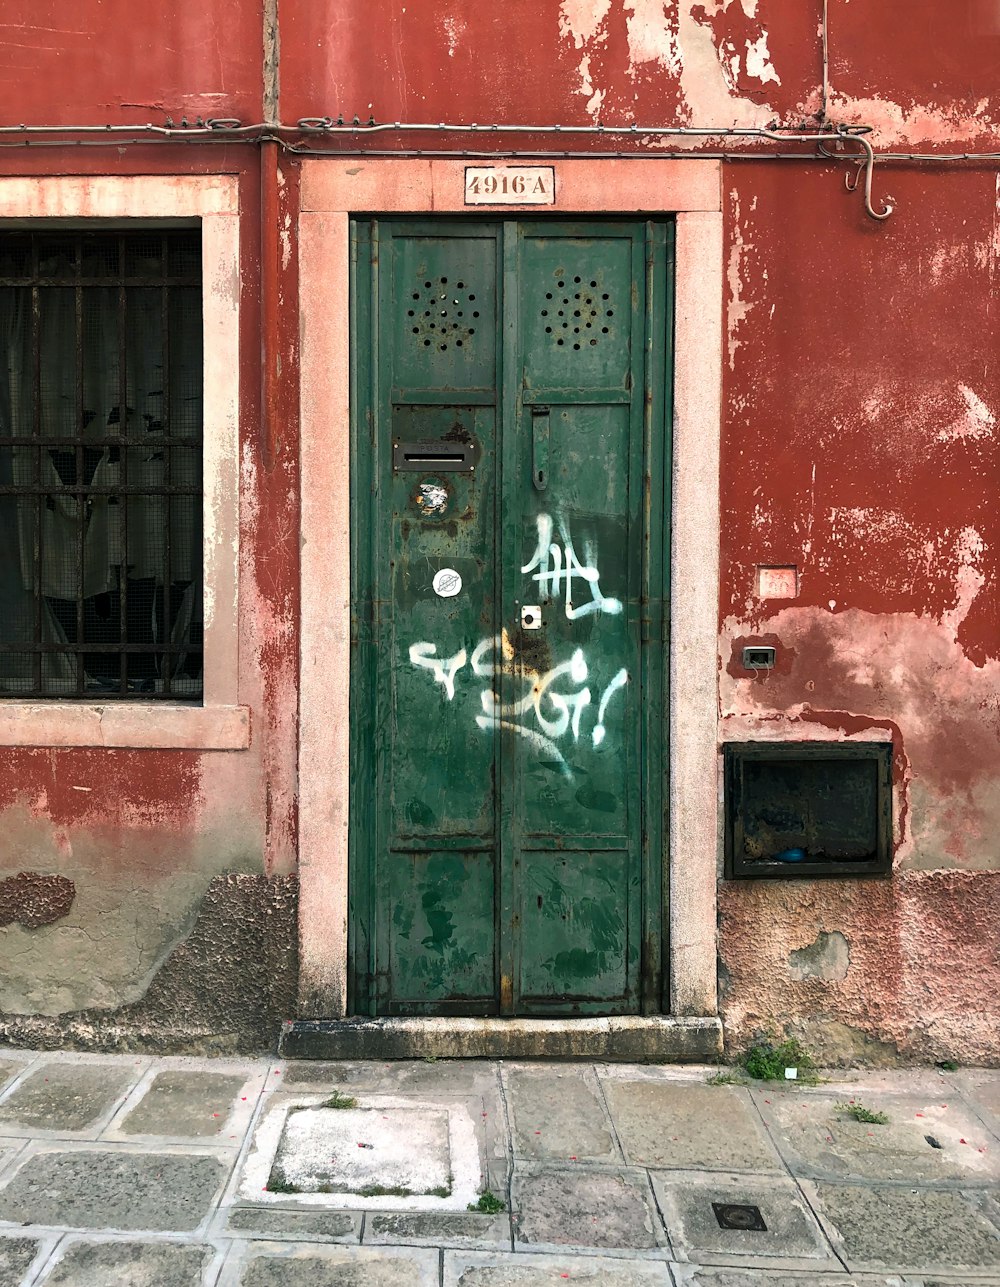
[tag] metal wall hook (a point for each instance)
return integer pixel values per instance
(863, 160)
(869, 164)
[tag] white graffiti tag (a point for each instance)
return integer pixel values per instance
(558, 566)
(551, 704)
(444, 668)
(619, 681)
(555, 712)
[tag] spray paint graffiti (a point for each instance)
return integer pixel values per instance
(558, 564)
(552, 703)
(444, 669)
(556, 710)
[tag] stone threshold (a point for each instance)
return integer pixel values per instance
(627, 1038)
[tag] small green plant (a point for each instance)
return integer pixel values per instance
(862, 1114)
(947, 1065)
(278, 1183)
(488, 1204)
(728, 1077)
(767, 1059)
(337, 1100)
(385, 1191)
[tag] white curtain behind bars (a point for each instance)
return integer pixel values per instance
(106, 561)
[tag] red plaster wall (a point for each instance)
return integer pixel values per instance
(111, 62)
(860, 424)
(142, 833)
(860, 444)
(268, 577)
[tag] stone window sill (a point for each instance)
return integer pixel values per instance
(153, 727)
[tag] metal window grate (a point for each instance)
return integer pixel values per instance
(101, 465)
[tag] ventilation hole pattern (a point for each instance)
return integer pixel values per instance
(577, 313)
(442, 314)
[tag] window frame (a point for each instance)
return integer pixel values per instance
(131, 203)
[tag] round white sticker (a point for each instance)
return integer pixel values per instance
(447, 583)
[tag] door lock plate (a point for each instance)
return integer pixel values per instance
(531, 616)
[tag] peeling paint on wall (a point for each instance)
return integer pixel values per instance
(907, 670)
(827, 957)
(651, 27)
(32, 899)
(738, 304)
(581, 20)
(887, 1005)
(977, 420)
(223, 987)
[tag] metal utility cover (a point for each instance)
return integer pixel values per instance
(739, 1215)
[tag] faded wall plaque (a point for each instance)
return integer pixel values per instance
(510, 185)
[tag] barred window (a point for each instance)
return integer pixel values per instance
(101, 592)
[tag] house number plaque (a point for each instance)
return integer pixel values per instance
(510, 185)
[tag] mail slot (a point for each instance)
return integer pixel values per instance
(442, 457)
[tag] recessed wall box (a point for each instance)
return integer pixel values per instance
(808, 809)
(758, 658)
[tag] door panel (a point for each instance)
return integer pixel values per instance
(576, 308)
(574, 911)
(581, 305)
(439, 519)
(505, 813)
(435, 844)
(441, 931)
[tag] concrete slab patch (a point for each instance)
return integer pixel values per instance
(179, 1103)
(485, 1269)
(453, 1229)
(399, 1152)
(7, 1154)
(821, 1140)
(303, 1226)
(790, 1232)
(688, 1126)
(382, 1152)
(65, 1096)
(136, 1264)
(443, 1077)
(16, 1255)
(903, 1229)
(91, 1189)
(558, 1114)
(583, 1209)
(273, 1264)
(981, 1087)
(8, 1070)
(704, 1276)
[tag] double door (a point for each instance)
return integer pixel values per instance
(509, 581)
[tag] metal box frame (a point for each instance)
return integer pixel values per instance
(737, 755)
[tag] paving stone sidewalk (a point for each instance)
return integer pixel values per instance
(143, 1172)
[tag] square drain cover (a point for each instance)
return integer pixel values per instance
(739, 1215)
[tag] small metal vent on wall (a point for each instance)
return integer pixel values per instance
(580, 316)
(442, 314)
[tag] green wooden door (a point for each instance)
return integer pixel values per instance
(509, 580)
